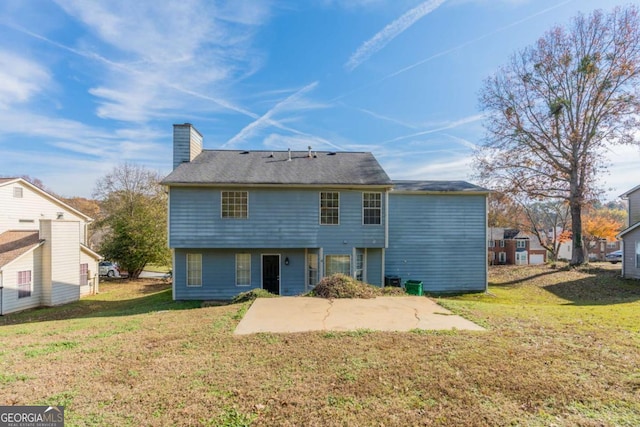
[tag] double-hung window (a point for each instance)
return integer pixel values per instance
(372, 208)
(84, 274)
(329, 208)
(194, 269)
(235, 204)
(243, 269)
(521, 244)
(24, 284)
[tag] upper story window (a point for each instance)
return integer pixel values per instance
(371, 208)
(235, 204)
(490, 243)
(521, 244)
(17, 192)
(502, 243)
(329, 208)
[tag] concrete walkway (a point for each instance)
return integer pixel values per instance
(302, 314)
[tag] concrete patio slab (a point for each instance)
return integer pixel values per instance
(302, 314)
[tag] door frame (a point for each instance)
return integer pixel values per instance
(279, 270)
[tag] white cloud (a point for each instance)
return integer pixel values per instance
(391, 31)
(160, 55)
(440, 128)
(20, 78)
(297, 143)
(294, 102)
(623, 171)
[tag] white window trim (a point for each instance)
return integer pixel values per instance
(502, 243)
(521, 244)
(187, 275)
(30, 283)
(309, 277)
(249, 269)
(320, 207)
(370, 208)
(222, 204)
(502, 257)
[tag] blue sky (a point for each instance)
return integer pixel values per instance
(87, 85)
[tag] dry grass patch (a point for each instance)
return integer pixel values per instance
(562, 349)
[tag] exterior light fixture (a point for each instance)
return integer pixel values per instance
(286, 261)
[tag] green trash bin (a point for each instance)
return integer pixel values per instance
(413, 287)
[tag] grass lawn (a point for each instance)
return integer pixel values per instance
(562, 349)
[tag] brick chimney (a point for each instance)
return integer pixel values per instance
(187, 143)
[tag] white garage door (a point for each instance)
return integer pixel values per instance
(536, 259)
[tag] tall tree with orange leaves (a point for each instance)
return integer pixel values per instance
(602, 224)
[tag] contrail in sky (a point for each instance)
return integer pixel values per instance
(391, 31)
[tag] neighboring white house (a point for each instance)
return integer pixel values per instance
(44, 259)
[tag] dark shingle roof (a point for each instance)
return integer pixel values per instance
(510, 233)
(266, 167)
(438, 186)
(15, 243)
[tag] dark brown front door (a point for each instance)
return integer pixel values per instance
(271, 273)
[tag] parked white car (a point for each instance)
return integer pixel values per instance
(109, 269)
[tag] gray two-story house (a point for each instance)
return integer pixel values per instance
(631, 236)
(282, 220)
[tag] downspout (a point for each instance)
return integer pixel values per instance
(386, 233)
(622, 272)
(486, 246)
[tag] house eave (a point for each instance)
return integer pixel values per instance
(90, 252)
(51, 197)
(274, 185)
(443, 192)
(35, 246)
(628, 230)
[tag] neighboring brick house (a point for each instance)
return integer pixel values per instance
(514, 247)
(598, 250)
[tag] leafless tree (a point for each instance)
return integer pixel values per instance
(556, 106)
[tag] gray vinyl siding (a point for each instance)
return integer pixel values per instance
(630, 269)
(187, 144)
(219, 273)
(277, 217)
(439, 240)
(634, 207)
